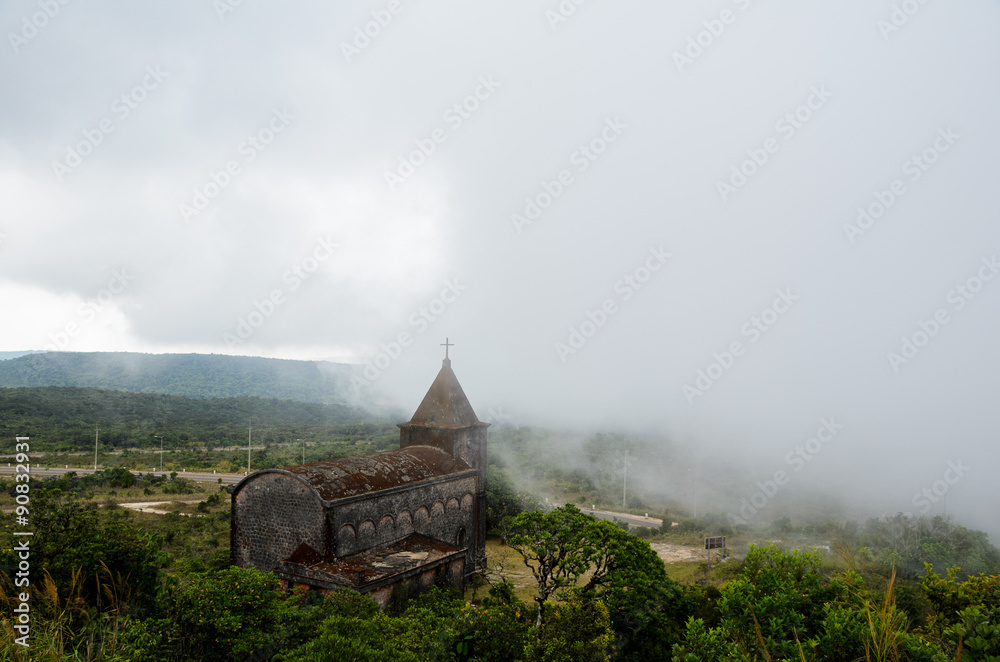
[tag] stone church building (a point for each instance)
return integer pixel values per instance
(406, 518)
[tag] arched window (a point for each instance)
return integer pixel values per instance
(460, 538)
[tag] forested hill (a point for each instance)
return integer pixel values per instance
(64, 417)
(191, 375)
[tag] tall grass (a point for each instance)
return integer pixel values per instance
(65, 626)
(878, 605)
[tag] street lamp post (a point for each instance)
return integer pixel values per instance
(693, 481)
(161, 451)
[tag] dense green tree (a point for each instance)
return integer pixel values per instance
(779, 598)
(646, 607)
(576, 629)
(906, 543)
(554, 546)
(356, 630)
(230, 614)
(353, 639)
(70, 538)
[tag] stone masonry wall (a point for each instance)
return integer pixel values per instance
(271, 515)
(444, 510)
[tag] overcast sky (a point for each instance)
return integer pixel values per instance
(594, 202)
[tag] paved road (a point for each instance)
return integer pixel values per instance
(230, 479)
(633, 520)
(147, 451)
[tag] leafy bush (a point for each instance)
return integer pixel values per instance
(375, 638)
(703, 644)
(497, 631)
(230, 614)
(779, 597)
(977, 634)
(775, 605)
(178, 485)
(576, 629)
(966, 612)
(907, 543)
(73, 539)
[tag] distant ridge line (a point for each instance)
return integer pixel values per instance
(189, 375)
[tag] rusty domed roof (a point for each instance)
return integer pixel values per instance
(362, 474)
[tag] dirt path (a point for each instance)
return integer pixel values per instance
(147, 506)
(676, 553)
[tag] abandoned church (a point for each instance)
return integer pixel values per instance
(400, 519)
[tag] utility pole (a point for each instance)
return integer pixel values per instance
(161, 451)
(97, 434)
(693, 482)
(249, 435)
(624, 479)
(623, 456)
(303, 450)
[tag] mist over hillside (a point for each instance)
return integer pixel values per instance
(694, 471)
(191, 375)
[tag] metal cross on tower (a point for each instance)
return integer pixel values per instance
(446, 345)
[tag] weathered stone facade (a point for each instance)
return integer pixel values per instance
(412, 516)
(271, 516)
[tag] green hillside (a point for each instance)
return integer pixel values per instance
(64, 418)
(191, 375)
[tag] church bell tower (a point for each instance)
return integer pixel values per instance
(445, 420)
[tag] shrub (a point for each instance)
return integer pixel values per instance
(495, 632)
(779, 597)
(576, 629)
(230, 614)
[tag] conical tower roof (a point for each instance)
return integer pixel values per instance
(445, 405)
